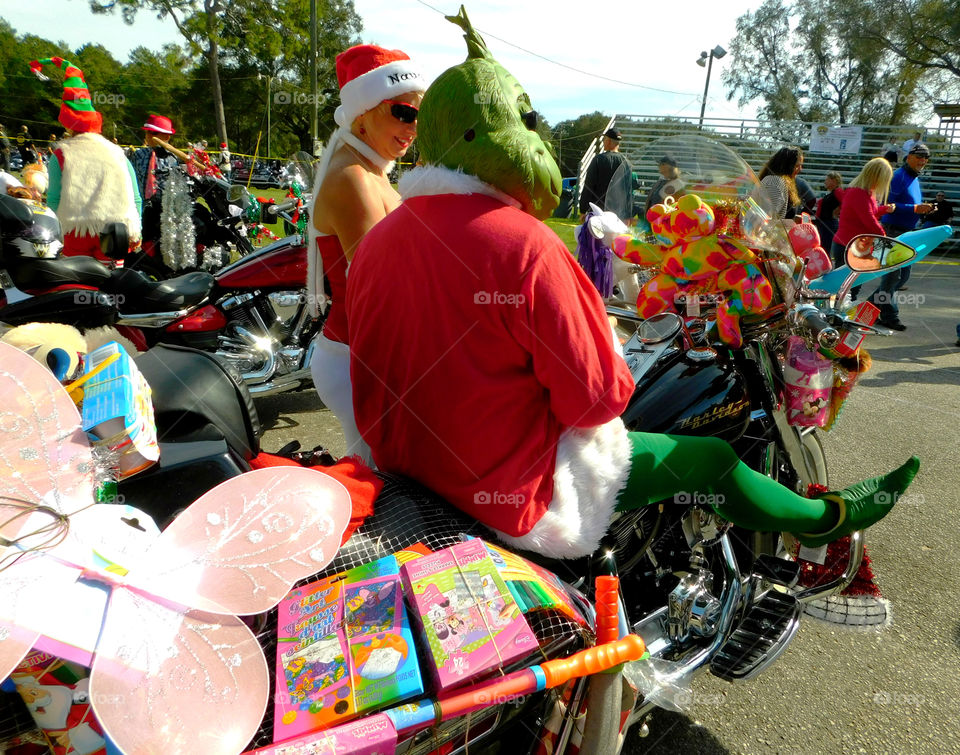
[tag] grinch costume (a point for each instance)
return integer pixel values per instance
(92, 184)
(482, 360)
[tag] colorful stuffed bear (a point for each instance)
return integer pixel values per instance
(696, 259)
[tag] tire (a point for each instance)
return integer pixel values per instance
(814, 457)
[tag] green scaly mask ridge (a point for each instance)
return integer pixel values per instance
(476, 117)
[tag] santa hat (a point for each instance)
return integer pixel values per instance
(76, 111)
(368, 75)
(159, 124)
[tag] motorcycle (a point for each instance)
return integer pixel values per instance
(252, 314)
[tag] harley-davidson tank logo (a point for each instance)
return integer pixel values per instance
(717, 412)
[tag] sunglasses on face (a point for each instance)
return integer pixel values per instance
(403, 111)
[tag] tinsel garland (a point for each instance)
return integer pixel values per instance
(178, 240)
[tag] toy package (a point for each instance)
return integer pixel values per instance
(865, 313)
(373, 735)
(117, 409)
(344, 648)
(470, 620)
(809, 379)
(57, 695)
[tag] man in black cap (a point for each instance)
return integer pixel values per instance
(905, 194)
(609, 165)
(667, 185)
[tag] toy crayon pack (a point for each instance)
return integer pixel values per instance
(344, 648)
(471, 621)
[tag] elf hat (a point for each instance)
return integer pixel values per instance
(159, 124)
(76, 110)
(368, 75)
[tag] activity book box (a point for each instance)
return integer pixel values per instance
(344, 648)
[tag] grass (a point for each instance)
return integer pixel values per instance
(565, 228)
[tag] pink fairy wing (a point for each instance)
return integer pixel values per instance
(168, 680)
(241, 546)
(44, 455)
(25, 607)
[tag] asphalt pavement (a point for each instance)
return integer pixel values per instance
(837, 690)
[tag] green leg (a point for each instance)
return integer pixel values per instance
(688, 468)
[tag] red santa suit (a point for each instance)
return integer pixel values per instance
(483, 365)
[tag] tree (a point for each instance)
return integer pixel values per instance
(805, 62)
(572, 137)
(198, 21)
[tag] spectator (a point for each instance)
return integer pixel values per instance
(667, 185)
(942, 213)
(151, 164)
(828, 210)
(609, 180)
(905, 195)
(909, 144)
(892, 157)
(891, 146)
(808, 198)
(91, 181)
(778, 178)
(4, 149)
(28, 153)
(224, 160)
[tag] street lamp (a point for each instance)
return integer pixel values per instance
(706, 59)
(269, 79)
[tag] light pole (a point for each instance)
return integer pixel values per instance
(706, 59)
(269, 97)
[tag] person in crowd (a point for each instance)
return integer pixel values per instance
(808, 199)
(152, 163)
(942, 212)
(28, 151)
(51, 145)
(667, 185)
(864, 201)
(889, 146)
(907, 197)
(892, 157)
(4, 149)
(909, 144)
(519, 330)
(609, 180)
(828, 210)
(380, 93)
(223, 161)
(778, 178)
(91, 182)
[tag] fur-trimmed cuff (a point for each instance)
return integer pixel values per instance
(592, 468)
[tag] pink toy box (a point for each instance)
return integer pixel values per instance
(471, 622)
(344, 648)
(374, 735)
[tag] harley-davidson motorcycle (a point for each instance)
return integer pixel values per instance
(251, 314)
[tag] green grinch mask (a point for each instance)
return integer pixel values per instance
(477, 118)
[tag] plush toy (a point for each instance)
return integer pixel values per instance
(698, 256)
(60, 347)
(805, 240)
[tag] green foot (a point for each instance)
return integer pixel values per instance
(865, 503)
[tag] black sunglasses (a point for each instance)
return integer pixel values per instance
(403, 111)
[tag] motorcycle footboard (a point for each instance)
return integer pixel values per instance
(762, 635)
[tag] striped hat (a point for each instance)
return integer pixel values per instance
(76, 111)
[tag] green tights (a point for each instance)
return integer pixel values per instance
(692, 469)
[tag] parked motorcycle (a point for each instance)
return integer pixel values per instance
(252, 314)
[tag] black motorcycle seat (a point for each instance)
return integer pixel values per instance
(192, 391)
(140, 294)
(39, 273)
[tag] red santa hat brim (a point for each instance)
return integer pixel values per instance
(368, 75)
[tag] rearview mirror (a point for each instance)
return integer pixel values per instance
(660, 328)
(115, 241)
(239, 195)
(869, 252)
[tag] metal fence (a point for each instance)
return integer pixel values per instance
(755, 141)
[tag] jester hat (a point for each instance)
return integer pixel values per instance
(476, 117)
(76, 110)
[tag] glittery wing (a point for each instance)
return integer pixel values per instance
(44, 455)
(25, 606)
(168, 680)
(241, 546)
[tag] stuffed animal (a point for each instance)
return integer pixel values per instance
(696, 260)
(60, 347)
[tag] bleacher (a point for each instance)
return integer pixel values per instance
(756, 140)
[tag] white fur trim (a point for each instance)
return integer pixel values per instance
(591, 469)
(95, 187)
(369, 90)
(430, 180)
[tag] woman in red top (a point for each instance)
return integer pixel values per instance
(863, 204)
(380, 93)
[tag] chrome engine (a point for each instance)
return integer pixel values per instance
(262, 340)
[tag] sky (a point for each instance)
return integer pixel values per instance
(623, 58)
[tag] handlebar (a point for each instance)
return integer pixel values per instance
(813, 320)
(276, 209)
